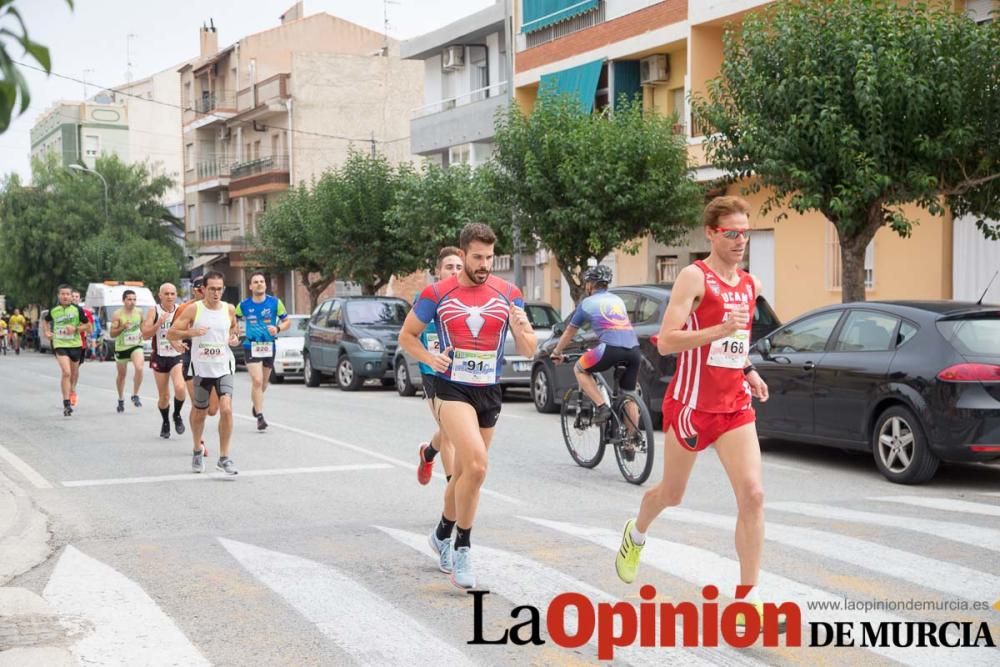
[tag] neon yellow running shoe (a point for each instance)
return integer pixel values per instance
(741, 621)
(627, 560)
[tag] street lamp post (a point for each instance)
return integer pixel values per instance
(80, 167)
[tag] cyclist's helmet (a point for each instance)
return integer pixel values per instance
(598, 274)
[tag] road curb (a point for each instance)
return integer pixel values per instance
(24, 532)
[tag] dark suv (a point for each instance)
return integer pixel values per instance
(353, 339)
(646, 305)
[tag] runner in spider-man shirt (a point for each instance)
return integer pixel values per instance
(472, 312)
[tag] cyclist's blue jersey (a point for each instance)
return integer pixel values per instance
(269, 312)
(608, 317)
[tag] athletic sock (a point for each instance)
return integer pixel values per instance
(165, 413)
(463, 537)
(444, 528)
(178, 404)
(430, 453)
(447, 478)
(66, 403)
(638, 538)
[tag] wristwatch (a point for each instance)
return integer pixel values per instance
(748, 369)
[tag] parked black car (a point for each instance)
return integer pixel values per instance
(913, 382)
(646, 305)
(353, 339)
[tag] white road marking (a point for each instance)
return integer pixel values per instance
(946, 504)
(129, 628)
(368, 628)
(384, 457)
(701, 567)
(26, 471)
(977, 536)
(930, 573)
(194, 477)
(783, 466)
(525, 581)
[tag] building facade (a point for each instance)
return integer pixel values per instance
(676, 47)
(79, 132)
(276, 108)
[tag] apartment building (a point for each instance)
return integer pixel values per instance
(670, 49)
(80, 131)
(276, 108)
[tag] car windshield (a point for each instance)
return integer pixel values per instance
(375, 313)
(542, 317)
(974, 336)
(298, 328)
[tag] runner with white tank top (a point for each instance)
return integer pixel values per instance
(210, 324)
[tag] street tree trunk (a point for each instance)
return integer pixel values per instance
(314, 287)
(852, 253)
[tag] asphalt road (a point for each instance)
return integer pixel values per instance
(317, 552)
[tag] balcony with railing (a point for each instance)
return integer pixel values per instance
(211, 107)
(259, 176)
(268, 91)
(457, 120)
(221, 238)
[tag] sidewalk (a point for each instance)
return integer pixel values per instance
(30, 632)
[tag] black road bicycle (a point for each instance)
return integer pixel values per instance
(629, 430)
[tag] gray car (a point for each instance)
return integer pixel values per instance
(516, 368)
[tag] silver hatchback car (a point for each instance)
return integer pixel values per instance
(516, 368)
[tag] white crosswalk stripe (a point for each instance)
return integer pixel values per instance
(525, 581)
(946, 504)
(977, 536)
(128, 627)
(702, 567)
(352, 616)
(928, 572)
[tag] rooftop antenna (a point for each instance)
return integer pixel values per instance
(385, 14)
(988, 286)
(128, 58)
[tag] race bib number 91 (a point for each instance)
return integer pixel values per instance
(472, 367)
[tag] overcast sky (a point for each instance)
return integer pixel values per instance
(91, 42)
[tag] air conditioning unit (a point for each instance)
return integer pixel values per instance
(224, 197)
(654, 69)
(452, 58)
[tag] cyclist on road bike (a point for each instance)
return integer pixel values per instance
(618, 343)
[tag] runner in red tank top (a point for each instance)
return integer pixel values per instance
(707, 325)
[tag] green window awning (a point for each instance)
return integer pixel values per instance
(579, 82)
(538, 14)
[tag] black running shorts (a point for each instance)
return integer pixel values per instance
(486, 400)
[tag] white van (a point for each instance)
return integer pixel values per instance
(103, 299)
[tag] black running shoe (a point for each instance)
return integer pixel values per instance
(165, 430)
(121, 407)
(179, 425)
(261, 424)
(67, 411)
(135, 401)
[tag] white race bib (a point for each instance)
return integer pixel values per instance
(260, 350)
(165, 349)
(472, 367)
(209, 352)
(132, 338)
(64, 332)
(433, 344)
(731, 351)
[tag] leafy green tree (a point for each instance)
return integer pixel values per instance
(432, 206)
(286, 241)
(854, 108)
(12, 83)
(356, 231)
(586, 184)
(56, 231)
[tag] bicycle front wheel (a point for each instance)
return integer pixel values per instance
(582, 436)
(634, 444)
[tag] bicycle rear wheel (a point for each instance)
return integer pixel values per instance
(583, 437)
(634, 444)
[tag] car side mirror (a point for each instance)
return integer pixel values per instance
(764, 348)
(558, 328)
